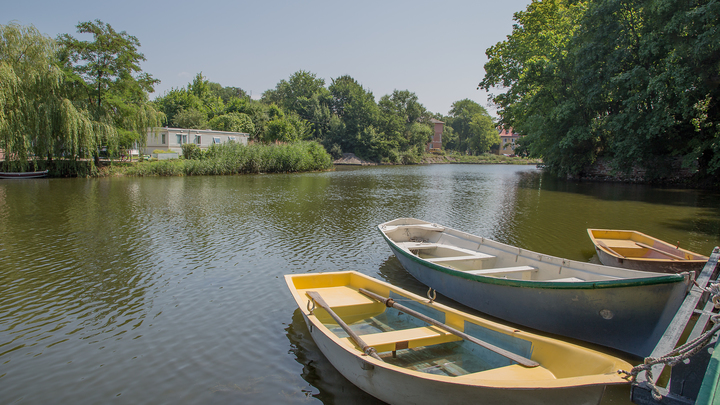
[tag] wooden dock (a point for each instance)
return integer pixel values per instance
(693, 380)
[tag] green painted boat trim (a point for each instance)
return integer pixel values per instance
(710, 388)
(550, 285)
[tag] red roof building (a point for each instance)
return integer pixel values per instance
(508, 141)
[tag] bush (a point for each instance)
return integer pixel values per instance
(234, 158)
(191, 151)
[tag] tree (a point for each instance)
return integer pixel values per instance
(357, 109)
(305, 95)
(227, 94)
(233, 122)
(106, 74)
(174, 101)
(190, 118)
(461, 114)
(400, 112)
(290, 94)
(202, 89)
(37, 119)
(633, 81)
(484, 134)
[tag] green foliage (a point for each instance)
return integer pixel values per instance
(105, 78)
(38, 120)
(354, 109)
(450, 140)
(236, 158)
(634, 81)
(280, 130)
(484, 134)
(175, 102)
(191, 151)
(404, 123)
(190, 118)
(336, 151)
(233, 122)
(462, 114)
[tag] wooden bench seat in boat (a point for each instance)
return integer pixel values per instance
(502, 270)
(407, 338)
(568, 280)
(417, 245)
(341, 297)
(427, 227)
(475, 256)
(465, 254)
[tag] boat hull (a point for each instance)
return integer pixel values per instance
(618, 308)
(398, 388)
(447, 357)
(634, 325)
(23, 175)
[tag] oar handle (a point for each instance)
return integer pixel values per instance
(369, 350)
(389, 302)
(659, 251)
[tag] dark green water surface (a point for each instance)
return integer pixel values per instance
(171, 290)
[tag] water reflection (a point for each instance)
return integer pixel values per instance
(326, 383)
(172, 288)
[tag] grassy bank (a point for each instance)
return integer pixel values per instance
(234, 158)
(486, 158)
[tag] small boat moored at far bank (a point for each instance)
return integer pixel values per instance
(619, 308)
(23, 175)
(403, 349)
(637, 251)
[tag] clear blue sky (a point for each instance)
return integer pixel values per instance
(434, 49)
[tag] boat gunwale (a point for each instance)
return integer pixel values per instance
(551, 285)
(471, 379)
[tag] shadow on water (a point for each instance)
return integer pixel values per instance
(615, 191)
(551, 215)
(329, 385)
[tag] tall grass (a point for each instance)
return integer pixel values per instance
(235, 158)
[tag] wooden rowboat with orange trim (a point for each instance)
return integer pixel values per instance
(638, 251)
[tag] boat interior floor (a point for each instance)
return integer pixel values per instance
(411, 343)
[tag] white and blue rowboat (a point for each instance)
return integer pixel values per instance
(624, 309)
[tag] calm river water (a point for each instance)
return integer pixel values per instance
(171, 290)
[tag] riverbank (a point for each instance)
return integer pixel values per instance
(235, 158)
(486, 158)
(225, 159)
(445, 158)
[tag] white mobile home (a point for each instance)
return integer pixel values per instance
(172, 139)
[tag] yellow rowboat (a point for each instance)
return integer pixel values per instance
(637, 251)
(403, 349)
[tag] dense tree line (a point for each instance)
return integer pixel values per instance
(70, 100)
(631, 81)
(343, 116)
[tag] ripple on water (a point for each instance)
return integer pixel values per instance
(173, 289)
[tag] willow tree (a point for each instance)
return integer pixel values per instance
(37, 119)
(107, 81)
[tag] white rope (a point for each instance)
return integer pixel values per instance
(680, 353)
